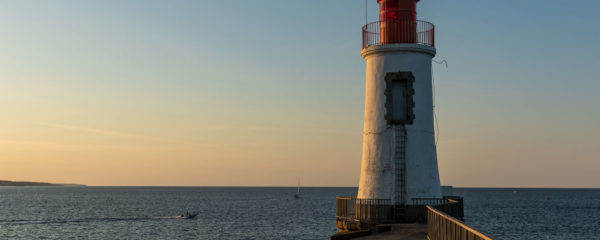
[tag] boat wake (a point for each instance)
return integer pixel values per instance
(192, 215)
(60, 221)
(83, 220)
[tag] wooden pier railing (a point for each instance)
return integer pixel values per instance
(417, 211)
(355, 213)
(441, 226)
(367, 211)
(443, 216)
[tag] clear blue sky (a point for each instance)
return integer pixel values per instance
(267, 92)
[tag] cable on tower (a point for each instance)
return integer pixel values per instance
(442, 62)
(437, 126)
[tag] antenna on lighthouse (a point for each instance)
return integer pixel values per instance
(366, 12)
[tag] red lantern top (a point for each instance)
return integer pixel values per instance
(403, 10)
(398, 24)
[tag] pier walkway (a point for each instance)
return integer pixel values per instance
(432, 219)
(392, 231)
(401, 231)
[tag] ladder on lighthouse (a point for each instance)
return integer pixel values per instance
(400, 163)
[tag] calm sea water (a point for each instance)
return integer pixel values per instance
(267, 213)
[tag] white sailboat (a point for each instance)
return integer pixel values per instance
(297, 194)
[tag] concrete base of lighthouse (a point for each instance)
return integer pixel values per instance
(399, 157)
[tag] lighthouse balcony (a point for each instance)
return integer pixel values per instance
(398, 31)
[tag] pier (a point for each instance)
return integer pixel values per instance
(432, 219)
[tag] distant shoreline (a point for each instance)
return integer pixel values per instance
(35, 184)
(4, 183)
(309, 187)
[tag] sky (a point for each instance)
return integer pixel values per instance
(269, 93)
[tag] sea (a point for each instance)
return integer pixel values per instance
(268, 212)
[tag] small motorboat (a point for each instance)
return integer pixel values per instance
(187, 216)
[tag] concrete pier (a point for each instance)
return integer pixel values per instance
(388, 231)
(443, 221)
(401, 231)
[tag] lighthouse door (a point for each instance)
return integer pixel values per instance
(399, 101)
(399, 98)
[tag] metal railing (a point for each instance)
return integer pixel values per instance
(367, 211)
(374, 211)
(428, 201)
(378, 211)
(443, 215)
(454, 207)
(345, 207)
(398, 31)
(441, 226)
(417, 211)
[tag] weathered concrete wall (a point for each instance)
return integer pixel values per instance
(377, 171)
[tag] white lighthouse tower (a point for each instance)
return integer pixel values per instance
(399, 178)
(399, 159)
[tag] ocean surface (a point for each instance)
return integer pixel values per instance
(268, 213)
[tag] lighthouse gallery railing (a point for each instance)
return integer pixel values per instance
(398, 31)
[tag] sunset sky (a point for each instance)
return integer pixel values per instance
(266, 93)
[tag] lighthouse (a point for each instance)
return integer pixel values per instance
(399, 160)
(399, 187)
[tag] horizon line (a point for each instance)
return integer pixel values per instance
(291, 186)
